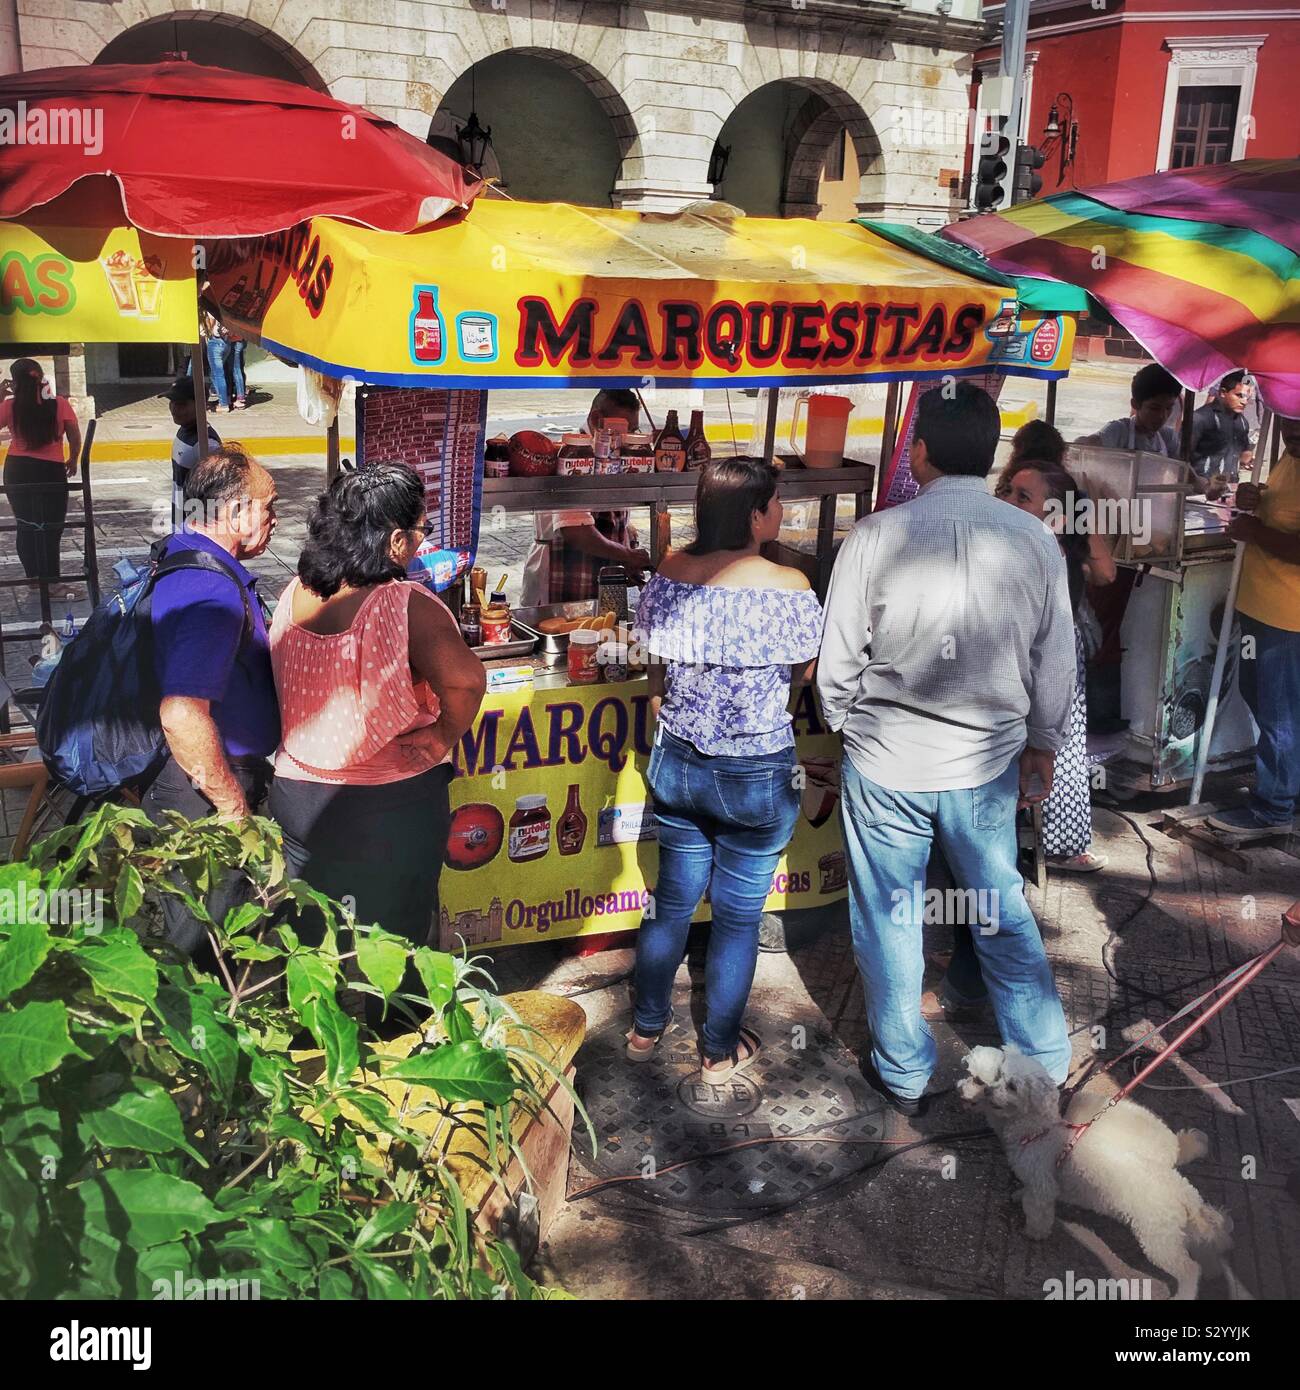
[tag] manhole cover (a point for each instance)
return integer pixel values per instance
(803, 1096)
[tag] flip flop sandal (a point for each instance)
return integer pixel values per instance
(719, 1076)
(644, 1054)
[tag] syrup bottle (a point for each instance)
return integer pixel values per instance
(572, 829)
(426, 326)
(670, 452)
(698, 452)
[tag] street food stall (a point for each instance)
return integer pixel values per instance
(552, 830)
(1202, 267)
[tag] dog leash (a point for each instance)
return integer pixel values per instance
(1231, 985)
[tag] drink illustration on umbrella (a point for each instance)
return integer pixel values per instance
(118, 270)
(147, 277)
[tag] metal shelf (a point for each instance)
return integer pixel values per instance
(620, 490)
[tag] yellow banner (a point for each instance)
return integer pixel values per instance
(95, 285)
(553, 828)
(521, 294)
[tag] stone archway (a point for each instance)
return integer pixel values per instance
(214, 40)
(781, 136)
(560, 131)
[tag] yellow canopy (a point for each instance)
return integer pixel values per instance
(75, 271)
(548, 294)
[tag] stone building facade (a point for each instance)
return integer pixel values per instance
(625, 104)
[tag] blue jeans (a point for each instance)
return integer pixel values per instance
(217, 349)
(723, 825)
(887, 837)
(1270, 686)
(237, 351)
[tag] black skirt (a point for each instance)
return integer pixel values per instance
(380, 849)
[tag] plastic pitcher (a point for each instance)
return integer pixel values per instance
(827, 428)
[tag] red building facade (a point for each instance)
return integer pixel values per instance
(1155, 84)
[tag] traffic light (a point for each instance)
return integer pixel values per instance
(1027, 183)
(991, 172)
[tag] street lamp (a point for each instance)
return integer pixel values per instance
(1062, 133)
(718, 163)
(472, 138)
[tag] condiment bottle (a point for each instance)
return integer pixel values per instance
(698, 452)
(670, 450)
(572, 829)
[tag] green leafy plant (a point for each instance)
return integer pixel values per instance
(164, 1133)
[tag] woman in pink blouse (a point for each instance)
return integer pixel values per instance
(36, 472)
(375, 687)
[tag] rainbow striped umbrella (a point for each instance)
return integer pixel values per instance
(1201, 266)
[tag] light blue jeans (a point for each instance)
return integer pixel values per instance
(887, 837)
(724, 823)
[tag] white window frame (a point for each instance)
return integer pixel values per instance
(1208, 61)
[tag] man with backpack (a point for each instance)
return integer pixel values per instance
(218, 707)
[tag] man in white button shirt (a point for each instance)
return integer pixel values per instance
(948, 667)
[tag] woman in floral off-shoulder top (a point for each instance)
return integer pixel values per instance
(722, 628)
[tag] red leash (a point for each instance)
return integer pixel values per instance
(1232, 985)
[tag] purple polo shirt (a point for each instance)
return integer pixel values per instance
(200, 649)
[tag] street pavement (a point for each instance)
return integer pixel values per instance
(1124, 945)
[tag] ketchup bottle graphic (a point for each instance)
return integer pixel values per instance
(427, 332)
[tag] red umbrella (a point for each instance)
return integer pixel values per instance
(204, 152)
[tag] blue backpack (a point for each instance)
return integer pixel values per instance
(98, 725)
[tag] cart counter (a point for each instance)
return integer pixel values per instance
(553, 830)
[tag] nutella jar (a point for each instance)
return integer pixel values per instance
(638, 453)
(583, 669)
(577, 456)
(530, 830)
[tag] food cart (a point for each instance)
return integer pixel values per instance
(552, 831)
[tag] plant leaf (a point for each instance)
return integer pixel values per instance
(22, 955)
(144, 1206)
(385, 1224)
(118, 965)
(438, 972)
(33, 1041)
(382, 960)
(129, 894)
(459, 1071)
(143, 1118)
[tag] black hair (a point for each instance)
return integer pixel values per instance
(625, 400)
(728, 494)
(1153, 380)
(960, 430)
(36, 413)
(1232, 379)
(1036, 440)
(221, 477)
(1064, 490)
(350, 524)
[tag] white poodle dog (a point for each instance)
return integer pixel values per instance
(1125, 1166)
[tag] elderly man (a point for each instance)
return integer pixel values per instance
(948, 665)
(219, 710)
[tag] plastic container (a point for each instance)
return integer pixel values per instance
(827, 429)
(612, 659)
(1135, 499)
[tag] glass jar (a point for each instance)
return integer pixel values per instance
(577, 456)
(530, 830)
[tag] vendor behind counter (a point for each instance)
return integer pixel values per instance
(571, 547)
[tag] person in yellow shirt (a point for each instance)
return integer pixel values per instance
(1268, 601)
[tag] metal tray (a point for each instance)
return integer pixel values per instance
(495, 651)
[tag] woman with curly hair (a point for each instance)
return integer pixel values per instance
(376, 688)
